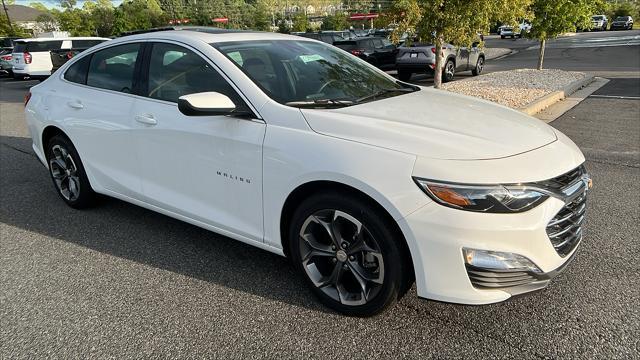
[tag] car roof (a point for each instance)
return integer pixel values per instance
(208, 35)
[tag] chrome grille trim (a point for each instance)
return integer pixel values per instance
(565, 229)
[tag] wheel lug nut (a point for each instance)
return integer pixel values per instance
(344, 245)
(333, 247)
(352, 257)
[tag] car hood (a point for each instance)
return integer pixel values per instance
(435, 124)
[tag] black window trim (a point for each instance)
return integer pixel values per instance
(146, 44)
(143, 76)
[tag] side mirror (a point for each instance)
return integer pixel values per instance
(205, 104)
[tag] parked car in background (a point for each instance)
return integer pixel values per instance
(622, 23)
(599, 22)
(421, 58)
(60, 57)
(6, 64)
(31, 57)
(377, 51)
(6, 48)
(508, 30)
(328, 37)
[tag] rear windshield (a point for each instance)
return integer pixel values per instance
(85, 44)
(35, 46)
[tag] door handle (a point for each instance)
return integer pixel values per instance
(146, 119)
(75, 104)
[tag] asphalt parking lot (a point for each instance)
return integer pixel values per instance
(121, 281)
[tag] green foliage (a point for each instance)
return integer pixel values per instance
(552, 18)
(46, 22)
(14, 30)
(339, 21)
(300, 23)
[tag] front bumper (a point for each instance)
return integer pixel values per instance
(440, 233)
(437, 234)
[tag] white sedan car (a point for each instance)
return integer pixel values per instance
(366, 183)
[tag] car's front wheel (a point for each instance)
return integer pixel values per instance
(348, 254)
(68, 174)
(479, 66)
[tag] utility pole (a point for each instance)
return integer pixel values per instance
(6, 12)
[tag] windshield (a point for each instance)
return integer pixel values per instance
(598, 18)
(309, 74)
(622, 18)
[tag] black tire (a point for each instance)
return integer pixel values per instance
(479, 66)
(72, 185)
(502, 36)
(404, 75)
(18, 77)
(449, 75)
(394, 269)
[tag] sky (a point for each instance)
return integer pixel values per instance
(56, 3)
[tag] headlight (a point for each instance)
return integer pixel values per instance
(483, 198)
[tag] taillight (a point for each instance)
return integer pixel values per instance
(69, 55)
(433, 50)
(6, 57)
(27, 97)
(27, 57)
(357, 52)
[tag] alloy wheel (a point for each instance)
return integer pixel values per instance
(480, 65)
(341, 257)
(65, 173)
(450, 70)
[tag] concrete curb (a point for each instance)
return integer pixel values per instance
(544, 102)
(499, 53)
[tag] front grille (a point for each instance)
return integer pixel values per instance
(565, 229)
(496, 279)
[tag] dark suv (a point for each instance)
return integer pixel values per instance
(377, 51)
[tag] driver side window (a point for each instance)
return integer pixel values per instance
(175, 71)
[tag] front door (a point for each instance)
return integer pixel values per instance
(207, 168)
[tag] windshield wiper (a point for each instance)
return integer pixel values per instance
(320, 103)
(384, 92)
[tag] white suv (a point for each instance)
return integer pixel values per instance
(365, 182)
(31, 57)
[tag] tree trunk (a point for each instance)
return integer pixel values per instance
(437, 71)
(541, 54)
(6, 12)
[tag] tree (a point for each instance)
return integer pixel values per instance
(555, 17)
(338, 21)
(460, 21)
(300, 23)
(39, 6)
(46, 22)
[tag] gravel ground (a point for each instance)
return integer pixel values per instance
(514, 88)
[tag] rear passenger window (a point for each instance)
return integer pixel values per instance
(77, 72)
(175, 71)
(38, 46)
(113, 68)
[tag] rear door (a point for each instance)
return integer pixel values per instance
(95, 106)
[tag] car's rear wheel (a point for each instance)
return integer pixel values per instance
(449, 71)
(479, 67)
(348, 254)
(404, 75)
(68, 174)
